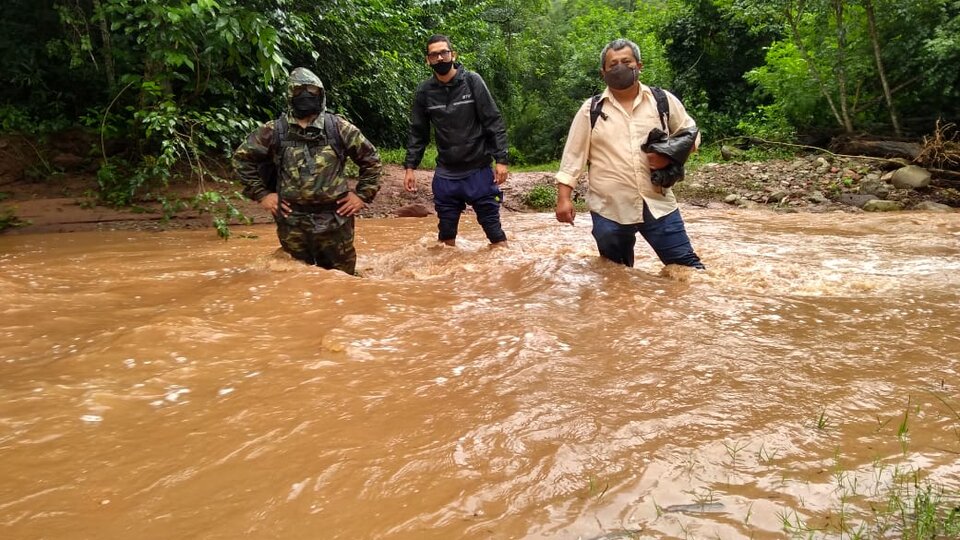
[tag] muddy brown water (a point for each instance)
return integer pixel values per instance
(172, 385)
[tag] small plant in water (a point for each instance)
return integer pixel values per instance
(764, 455)
(733, 450)
(703, 498)
(904, 426)
(822, 420)
(592, 489)
(893, 502)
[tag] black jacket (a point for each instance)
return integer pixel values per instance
(469, 129)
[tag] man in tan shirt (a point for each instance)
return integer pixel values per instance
(621, 197)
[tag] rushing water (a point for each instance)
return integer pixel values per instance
(172, 385)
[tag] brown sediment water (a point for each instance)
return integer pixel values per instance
(173, 385)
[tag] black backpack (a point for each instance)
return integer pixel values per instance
(268, 169)
(663, 108)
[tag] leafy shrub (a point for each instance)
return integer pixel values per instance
(396, 156)
(221, 206)
(542, 197)
(515, 156)
(9, 220)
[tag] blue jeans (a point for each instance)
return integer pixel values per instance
(667, 236)
(450, 199)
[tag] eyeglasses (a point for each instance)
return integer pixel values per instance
(309, 89)
(438, 55)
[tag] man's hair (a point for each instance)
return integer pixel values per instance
(616, 45)
(437, 38)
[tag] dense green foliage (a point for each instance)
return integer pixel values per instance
(172, 83)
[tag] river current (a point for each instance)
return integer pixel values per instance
(174, 385)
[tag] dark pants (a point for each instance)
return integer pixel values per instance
(667, 236)
(323, 240)
(451, 197)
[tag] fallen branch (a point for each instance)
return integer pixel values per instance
(808, 147)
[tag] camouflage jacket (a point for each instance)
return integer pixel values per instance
(309, 169)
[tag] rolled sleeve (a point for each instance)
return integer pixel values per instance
(576, 151)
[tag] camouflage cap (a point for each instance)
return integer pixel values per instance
(303, 77)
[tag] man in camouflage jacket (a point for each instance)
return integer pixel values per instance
(313, 205)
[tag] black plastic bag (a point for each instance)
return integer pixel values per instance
(676, 148)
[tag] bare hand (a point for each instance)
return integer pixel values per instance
(500, 173)
(350, 205)
(271, 203)
(565, 211)
(657, 161)
(409, 181)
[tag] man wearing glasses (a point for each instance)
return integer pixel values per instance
(470, 133)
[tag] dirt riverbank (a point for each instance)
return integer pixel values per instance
(66, 201)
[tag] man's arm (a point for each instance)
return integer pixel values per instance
(490, 117)
(419, 133)
(679, 119)
(247, 159)
(576, 152)
(365, 155)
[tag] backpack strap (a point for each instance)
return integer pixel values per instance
(663, 107)
(280, 128)
(331, 127)
(596, 110)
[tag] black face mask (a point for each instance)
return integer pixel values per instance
(620, 77)
(305, 105)
(442, 68)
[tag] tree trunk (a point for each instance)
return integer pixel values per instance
(107, 47)
(841, 65)
(852, 146)
(874, 38)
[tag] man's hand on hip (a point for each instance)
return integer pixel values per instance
(350, 205)
(272, 204)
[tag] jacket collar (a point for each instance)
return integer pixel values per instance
(456, 78)
(317, 122)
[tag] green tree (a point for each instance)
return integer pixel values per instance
(865, 60)
(711, 48)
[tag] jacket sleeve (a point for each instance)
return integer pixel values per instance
(247, 159)
(490, 118)
(419, 134)
(365, 155)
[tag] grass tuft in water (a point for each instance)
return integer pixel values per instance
(891, 501)
(822, 420)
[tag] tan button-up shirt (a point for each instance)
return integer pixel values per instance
(619, 175)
